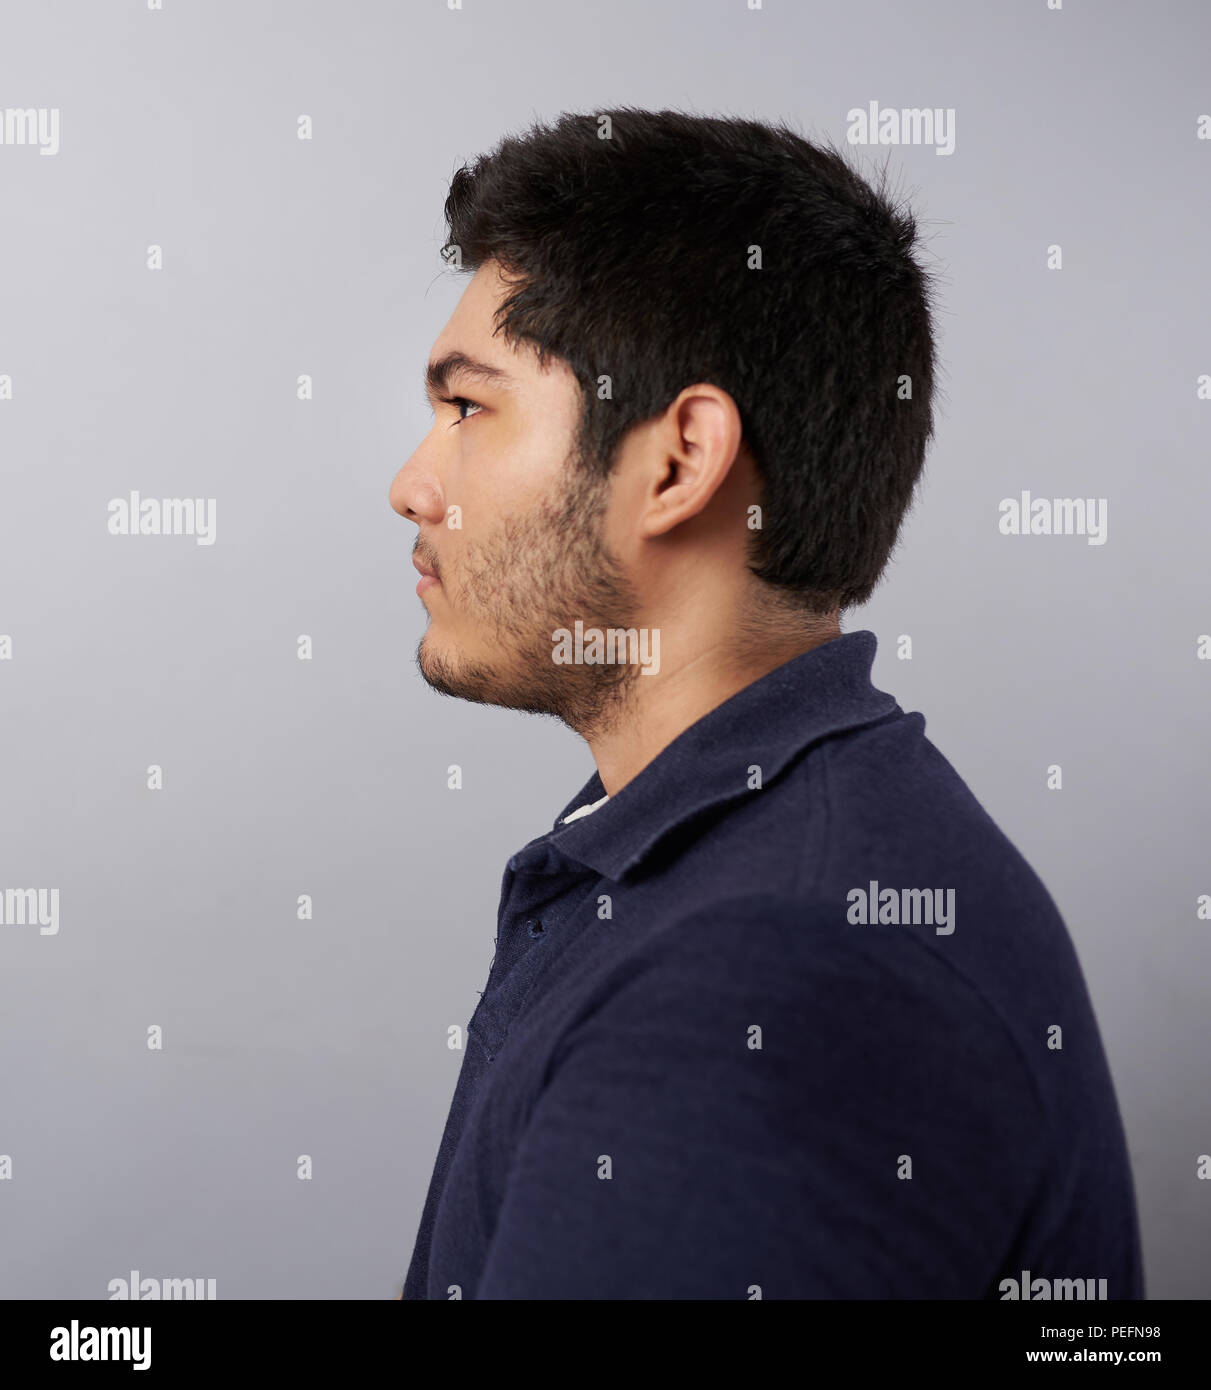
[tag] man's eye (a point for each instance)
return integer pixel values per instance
(459, 402)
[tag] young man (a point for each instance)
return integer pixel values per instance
(776, 1010)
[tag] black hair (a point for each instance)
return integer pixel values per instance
(630, 237)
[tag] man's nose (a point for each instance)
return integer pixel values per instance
(415, 491)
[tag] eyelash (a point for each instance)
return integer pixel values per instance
(459, 401)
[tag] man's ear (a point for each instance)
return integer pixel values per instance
(695, 441)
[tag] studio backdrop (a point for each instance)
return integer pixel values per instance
(246, 895)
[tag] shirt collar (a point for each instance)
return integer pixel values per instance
(820, 692)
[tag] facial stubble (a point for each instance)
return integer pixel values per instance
(534, 575)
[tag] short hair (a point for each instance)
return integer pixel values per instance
(635, 257)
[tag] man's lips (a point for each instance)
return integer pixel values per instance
(428, 577)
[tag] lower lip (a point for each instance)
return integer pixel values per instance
(427, 581)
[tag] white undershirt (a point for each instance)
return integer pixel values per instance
(585, 810)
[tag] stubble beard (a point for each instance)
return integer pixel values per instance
(539, 573)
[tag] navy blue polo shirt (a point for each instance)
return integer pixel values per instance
(786, 1017)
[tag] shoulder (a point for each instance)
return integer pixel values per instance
(771, 945)
(788, 985)
(844, 1097)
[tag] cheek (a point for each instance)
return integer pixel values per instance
(507, 473)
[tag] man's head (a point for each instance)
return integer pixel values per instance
(711, 389)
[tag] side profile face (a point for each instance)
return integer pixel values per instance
(508, 522)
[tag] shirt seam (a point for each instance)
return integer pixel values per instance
(826, 799)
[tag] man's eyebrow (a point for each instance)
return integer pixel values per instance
(439, 372)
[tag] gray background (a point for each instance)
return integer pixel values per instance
(282, 777)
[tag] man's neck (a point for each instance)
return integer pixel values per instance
(661, 707)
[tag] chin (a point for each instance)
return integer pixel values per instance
(451, 672)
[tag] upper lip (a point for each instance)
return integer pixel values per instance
(423, 568)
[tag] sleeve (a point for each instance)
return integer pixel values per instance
(759, 1105)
